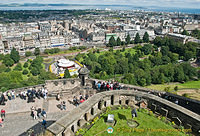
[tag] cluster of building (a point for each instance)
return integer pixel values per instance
(93, 29)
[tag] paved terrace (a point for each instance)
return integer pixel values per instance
(18, 119)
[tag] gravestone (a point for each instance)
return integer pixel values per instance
(110, 118)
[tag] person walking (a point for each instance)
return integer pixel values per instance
(3, 113)
(44, 123)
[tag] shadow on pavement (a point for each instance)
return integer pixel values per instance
(37, 129)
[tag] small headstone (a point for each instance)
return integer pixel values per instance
(110, 118)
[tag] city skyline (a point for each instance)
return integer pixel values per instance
(160, 3)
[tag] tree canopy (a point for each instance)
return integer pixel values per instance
(146, 37)
(14, 55)
(67, 74)
(137, 38)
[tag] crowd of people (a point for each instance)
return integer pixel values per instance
(106, 86)
(37, 113)
(28, 95)
(81, 99)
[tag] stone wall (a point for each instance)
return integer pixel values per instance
(191, 104)
(71, 86)
(55, 86)
(75, 119)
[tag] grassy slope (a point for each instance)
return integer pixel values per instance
(190, 84)
(122, 129)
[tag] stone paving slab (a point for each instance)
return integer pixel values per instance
(18, 105)
(18, 124)
(18, 119)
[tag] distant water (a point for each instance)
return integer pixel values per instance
(102, 7)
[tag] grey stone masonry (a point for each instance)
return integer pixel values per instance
(184, 115)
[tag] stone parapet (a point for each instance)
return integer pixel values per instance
(185, 116)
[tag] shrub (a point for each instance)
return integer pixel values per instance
(108, 109)
(186, 95)
(82, 47)
(151, 113)
(25, 72)
(120, 107)
(163, 118)
(18, 67)
(172, 123)
(167, 89)
(7, 69)
(28, 53)
(144, 110)
(176, 88)
(25, 65)
(159, 117)
(96, 119)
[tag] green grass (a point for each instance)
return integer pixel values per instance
(64, 52)
(122, 129)
(127, 50)
(189, 84)
(48, 60)
(192, 84)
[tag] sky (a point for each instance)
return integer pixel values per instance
(161, 3)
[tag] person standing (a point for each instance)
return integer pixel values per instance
(35, 114)
(9, 95)
(44, 123)
(134, 113)
(13, 94)
(58, 97)
(64, 105)
(44, 114)
(1, 122)
(3, 113)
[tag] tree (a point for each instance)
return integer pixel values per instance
(147, 49)
(1, 56)
(46, 75)
(2, 68)
(18, 67)
(25, 65)
(8, 61)
(67, 74)
(112, 41)
(129, 79)
(164, 50)
(128, 39)
(35, 71)
(28, 53)
(118, 41)
(137, 38)
(196, 33)
(146, 37)
(15, 76)
(185, 32)
(37, 52)
(14, 55)
(92, 57)
(7, 69)
(176, 88)
(25, 72)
